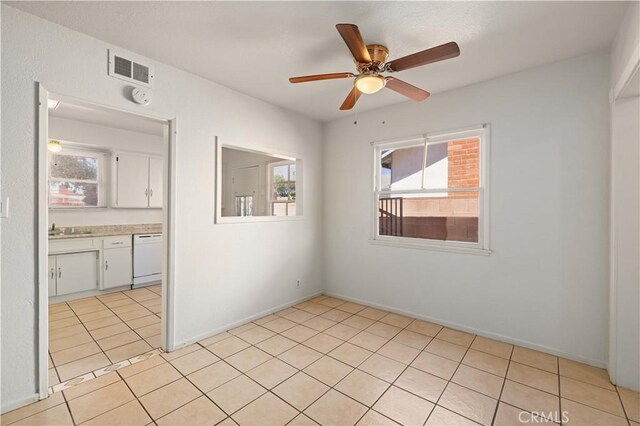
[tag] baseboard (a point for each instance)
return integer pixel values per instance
(479, 332)
(10, 406)
(88, 293)
(243, 321)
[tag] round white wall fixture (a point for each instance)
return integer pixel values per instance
(141, 96)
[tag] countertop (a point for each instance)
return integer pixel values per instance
(98, 231)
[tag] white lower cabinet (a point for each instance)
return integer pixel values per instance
(83, 264)
(75, 272)
(117, 267)
(52, 276)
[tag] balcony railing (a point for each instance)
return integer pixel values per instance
(390, 219)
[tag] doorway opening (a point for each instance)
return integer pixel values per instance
(105, 238)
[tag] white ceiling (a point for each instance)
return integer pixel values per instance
(254, 47)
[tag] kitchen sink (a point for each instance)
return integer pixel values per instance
(68, 231)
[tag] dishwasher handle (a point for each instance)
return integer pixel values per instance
(147, 238)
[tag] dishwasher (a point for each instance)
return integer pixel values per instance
(147, 259)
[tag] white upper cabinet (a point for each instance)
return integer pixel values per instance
(137, 181)
(155, 182)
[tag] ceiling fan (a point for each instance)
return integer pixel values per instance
(370, 63)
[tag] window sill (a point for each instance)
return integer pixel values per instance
(427, 245)
(255, 219)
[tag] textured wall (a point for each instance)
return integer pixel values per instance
(224, 273)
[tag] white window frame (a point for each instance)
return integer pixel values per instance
(271, 201)
(482, 246)
(101, 181)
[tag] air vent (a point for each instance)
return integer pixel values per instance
(125, 68)
(140, 73)
(121, 66)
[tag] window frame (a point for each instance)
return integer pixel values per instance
(270, 180)
(299, 159)
(482, 247)
(101, 178)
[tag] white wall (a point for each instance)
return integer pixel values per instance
(626, 45)
(224, 273)
(110, 139)
(625, 243)
(625, 207)
(545, 285)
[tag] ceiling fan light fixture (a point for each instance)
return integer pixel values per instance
(370, 83)
(54, 146)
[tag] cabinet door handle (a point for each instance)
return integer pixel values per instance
(146, 192)
(106, 265)
(59, 272)
(53, 272)
(151, 192)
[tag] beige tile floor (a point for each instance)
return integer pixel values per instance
(331, 362)
(94, 332)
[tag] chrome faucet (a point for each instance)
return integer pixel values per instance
(53, 227)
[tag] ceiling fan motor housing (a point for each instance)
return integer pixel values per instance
(378, 52)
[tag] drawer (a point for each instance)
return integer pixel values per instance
(117, 241)
(72, 245)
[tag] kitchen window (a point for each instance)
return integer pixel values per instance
(244, 205)
(77, 178)
(283, 188)
(431, 191)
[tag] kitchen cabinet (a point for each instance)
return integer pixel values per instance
(73, 272)
(117, 267)
(137, 181)
(52, 276)
(156, 166)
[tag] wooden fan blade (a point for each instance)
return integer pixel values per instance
(407, 89)
(435, 54)
(351, 36)
(317, 77)
(351, 99)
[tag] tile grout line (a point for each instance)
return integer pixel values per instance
(559, 392)
(125, 322)
(624, 410)
(504, 383)
(450, 379)
(73, 420)
(376, 352)
(87, 330)
(394, 381)
(135, 396)
(353, 368)
(95, 341)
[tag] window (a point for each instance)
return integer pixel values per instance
(283, 189)
(76, 179)
(431, 190)
(257, 186)
(244, 205)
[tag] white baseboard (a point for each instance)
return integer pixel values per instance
(243, 321)
(483, 333)
(88, 293)
(10, 406)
